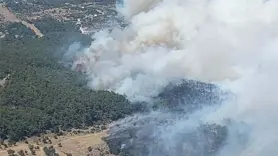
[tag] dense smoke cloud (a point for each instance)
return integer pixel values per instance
(232, 43)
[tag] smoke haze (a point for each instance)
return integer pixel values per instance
(231, 43)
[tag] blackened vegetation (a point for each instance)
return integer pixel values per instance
(150, 134)
(189, 95)
(42, 94)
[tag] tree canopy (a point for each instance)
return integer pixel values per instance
(42, 94)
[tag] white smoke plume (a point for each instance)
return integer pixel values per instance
(233, 43)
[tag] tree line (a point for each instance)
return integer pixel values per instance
(41, 94)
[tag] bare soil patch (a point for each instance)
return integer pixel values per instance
(76, 144)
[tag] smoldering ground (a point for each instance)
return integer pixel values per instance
(229, 43)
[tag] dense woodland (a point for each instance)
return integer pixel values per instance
(42, 94)
(48, 24)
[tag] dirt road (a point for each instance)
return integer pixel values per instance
(11, 17)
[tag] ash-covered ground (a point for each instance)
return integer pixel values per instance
(231, 46)
(174, 127)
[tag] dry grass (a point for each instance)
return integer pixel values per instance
(76, 144)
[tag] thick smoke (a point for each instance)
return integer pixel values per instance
(232, 43)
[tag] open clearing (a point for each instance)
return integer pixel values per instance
(8, 16)
(77, 145)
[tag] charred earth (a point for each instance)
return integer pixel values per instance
(171, 129)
